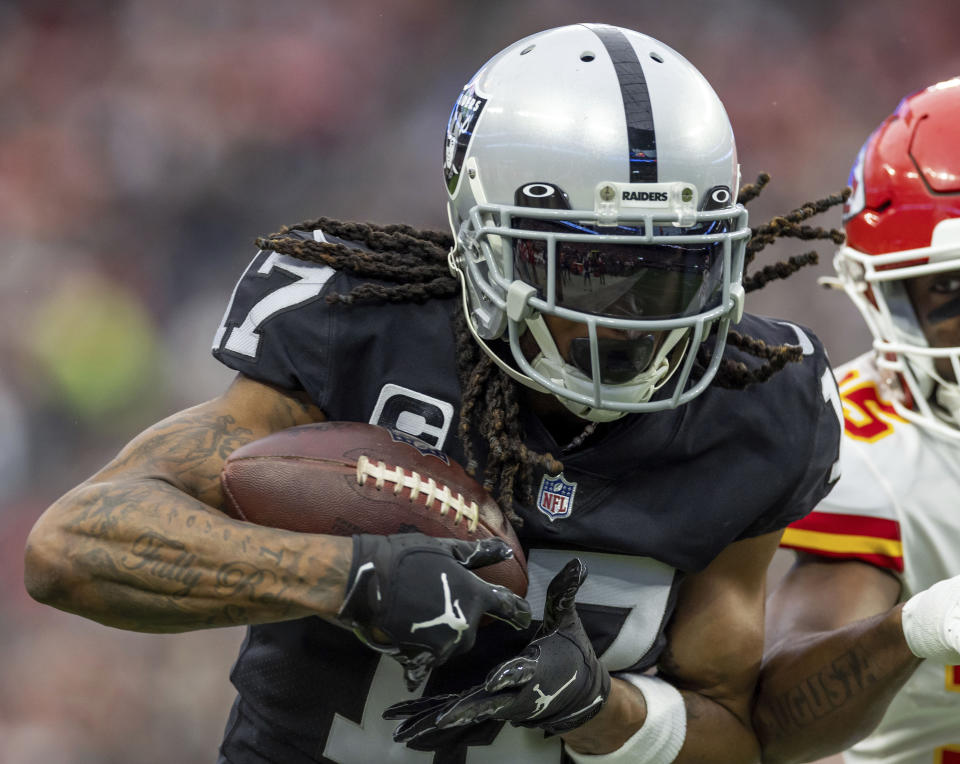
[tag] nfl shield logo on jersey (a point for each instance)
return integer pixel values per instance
(555, 498)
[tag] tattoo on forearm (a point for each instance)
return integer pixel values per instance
(155, 555)
(830, 688)
(163, 558)
(241, 579)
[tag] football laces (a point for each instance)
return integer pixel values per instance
(428, 491)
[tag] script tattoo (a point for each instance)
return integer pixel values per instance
(141, 544)
(824, 691)
(163, 558)
(243, 579)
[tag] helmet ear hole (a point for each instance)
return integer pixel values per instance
(656, 57)
(587, 56)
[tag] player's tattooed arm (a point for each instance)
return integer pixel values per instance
(141, 545)
(832, 663)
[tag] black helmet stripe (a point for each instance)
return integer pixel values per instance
(636, 103)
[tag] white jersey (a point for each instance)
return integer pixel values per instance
(895, 506)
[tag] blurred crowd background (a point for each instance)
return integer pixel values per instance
(143, 146)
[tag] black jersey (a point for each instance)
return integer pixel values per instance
(643, 501)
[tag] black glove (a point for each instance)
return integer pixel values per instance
(414, 597)
(556, 683)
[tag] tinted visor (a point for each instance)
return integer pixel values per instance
(623, 280)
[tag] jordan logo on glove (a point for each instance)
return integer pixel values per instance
(512, 690)
(544, 701)
(451, 616)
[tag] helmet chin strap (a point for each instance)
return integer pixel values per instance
(641, 388)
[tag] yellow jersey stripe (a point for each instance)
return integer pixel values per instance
(841, 543)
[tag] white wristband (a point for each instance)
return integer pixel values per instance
(931, 622)
(660, 738)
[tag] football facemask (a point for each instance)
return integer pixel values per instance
(660, 286)
(879, 287)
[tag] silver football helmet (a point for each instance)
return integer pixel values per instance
(592, 176)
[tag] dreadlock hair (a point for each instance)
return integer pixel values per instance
(413, 263)
(734, 374)
(407, 264)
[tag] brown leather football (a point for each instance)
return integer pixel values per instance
(342, 478)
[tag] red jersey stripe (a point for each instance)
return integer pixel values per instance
(854, 525)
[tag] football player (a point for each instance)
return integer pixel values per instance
(843, 657)
(607, 417)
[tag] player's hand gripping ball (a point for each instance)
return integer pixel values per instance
(556, 683)
(344, 478)
(411, 597)
(417, 599)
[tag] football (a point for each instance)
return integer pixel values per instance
(342, 478)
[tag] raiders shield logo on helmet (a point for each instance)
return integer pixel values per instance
(466, 112)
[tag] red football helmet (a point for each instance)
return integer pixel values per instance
(903, 221)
